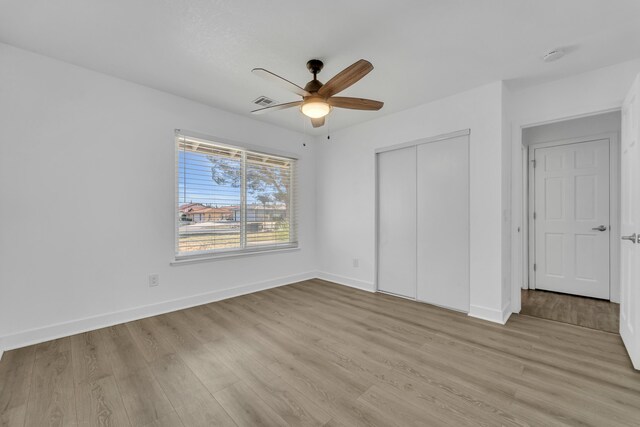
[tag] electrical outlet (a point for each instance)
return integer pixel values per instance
(154, 280)
(356, 262)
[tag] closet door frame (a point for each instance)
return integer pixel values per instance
(414, 143)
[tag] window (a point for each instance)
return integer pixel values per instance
(232, 200)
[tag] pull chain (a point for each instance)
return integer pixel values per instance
(304, 131)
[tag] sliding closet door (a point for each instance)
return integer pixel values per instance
(397, 222)
(443, 223)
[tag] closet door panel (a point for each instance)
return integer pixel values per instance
(443, 223)
(397, 222)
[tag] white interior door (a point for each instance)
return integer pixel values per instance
(630, 227)
(397, 222)
(571, 205)
(443, 223)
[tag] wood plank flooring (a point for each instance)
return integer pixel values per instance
(576, 310)
(314, 354)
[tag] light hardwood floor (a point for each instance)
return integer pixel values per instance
(587, 312)
(317, 353)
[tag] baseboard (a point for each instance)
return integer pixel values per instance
(491, 314)
(347, 281)
(484, 313)
(65, 329)
(506, 313)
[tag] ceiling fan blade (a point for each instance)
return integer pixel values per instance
(354, 103)
(276, 107)
(317, 122)
(292, 87)
(345, 78)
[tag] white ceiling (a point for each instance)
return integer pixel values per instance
(422, 50)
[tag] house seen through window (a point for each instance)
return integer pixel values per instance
(230, 199)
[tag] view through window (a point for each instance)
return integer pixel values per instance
(232, 199)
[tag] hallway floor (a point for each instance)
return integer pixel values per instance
(582, 311)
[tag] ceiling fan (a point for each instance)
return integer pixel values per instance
(318, 99)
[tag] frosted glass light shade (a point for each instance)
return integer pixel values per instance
(315, 109)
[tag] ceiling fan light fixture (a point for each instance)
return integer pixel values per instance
(315, 109)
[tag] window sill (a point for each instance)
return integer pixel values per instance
(191, 259)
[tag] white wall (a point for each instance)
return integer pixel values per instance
(574, 128)
(580, 95)
(87, 201)
(507, 227)
(346, 190)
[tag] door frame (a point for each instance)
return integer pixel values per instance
(519, 173)
(614, 208)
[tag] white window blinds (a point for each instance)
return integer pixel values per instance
(230, 199)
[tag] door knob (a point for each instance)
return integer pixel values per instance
(600, 228)
(633, 238)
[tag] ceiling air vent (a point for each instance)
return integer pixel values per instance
(263, 101)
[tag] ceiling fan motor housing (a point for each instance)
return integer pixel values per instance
(313, 86)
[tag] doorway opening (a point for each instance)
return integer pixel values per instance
(573, 209)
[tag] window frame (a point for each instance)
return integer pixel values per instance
(243, 250)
